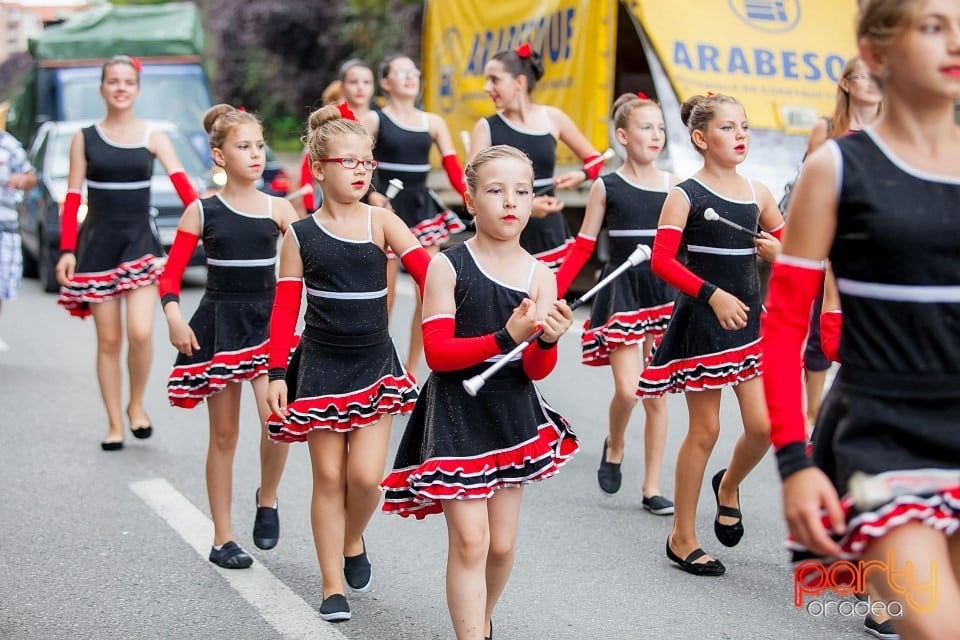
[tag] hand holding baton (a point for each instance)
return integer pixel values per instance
(712, 216)
(601, 159)
(474, 384)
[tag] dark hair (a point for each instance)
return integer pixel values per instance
(219, 119)
(531, 67)
(697, 111)
(325, 124)
(385, 64)
(625, 105)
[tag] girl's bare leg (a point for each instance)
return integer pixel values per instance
(224, 415)
(109, 325)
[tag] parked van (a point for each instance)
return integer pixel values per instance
(781, 58)
(168, 40)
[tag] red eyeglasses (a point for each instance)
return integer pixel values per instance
(351, 163)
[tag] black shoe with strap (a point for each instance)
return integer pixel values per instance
(690, 565)
(230, 556)
(728, 534)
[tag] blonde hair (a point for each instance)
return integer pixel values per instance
(332, 93)
(119, 59)
(881, 21)
(625, 105)
(840, 120)
(697, 112)
(325, 124)
(222, 118)
(496, 152)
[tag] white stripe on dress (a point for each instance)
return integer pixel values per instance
(409, 168)
(347, 295)
(618, 233)
(899, 292)
(252, 262)
(720, 251)
(119, 186)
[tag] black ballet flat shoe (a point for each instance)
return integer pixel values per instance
(335, 608)
(357, 570)
(141, 433)
(608, 475)
(489, 637)
(690, 565)
(728, 534)
(266, 525)
(112, 446)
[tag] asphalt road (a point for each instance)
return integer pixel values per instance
(113, 545)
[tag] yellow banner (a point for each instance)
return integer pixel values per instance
(781, 58)
(576, 39)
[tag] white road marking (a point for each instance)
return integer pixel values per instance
(283, 609)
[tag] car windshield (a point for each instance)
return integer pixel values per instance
(59, 155)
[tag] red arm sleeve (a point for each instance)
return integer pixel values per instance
(306, 178)
(283, 322)
(794, 286)
(577, 257)
(592, 170)
(416, 260)
(184, 244)
(184, 187)
(455, 173)
(777, 232)
(444, 352)
(539, 359)
(664, 263)
(831, 322)
(68, 221)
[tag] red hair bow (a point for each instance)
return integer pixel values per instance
(136, 64)
(345, 112)
(523, 51)
(642, 95)
(710, 94)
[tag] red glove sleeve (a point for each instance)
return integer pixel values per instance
(184, 244)
(777, 232)
(539, 359)
(415, 260)
(184, 187)
(283, 322)
(794, 286)
(593, 170)
(68, 221)
(306, 178)
(444, 352)
(665, 264)
(455, 173)
(831, 322)
(577, 257)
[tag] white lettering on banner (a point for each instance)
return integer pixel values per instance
(734, 60)
(551, 36)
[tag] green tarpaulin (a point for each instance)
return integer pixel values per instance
(172, 29)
